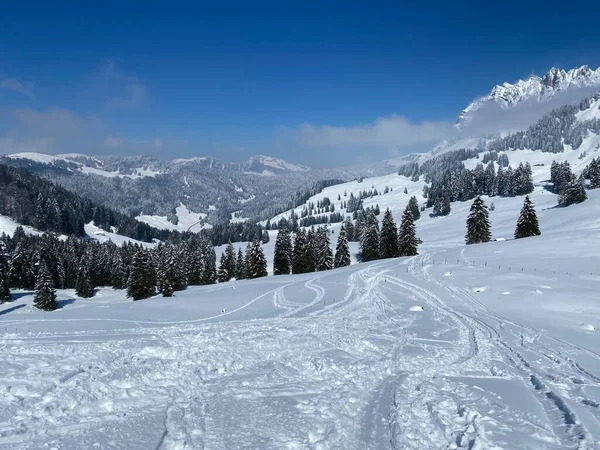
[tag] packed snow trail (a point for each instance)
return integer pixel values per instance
(386, 355)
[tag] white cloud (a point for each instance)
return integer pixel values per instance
(384, 133)
(14, 84)
(10, 145)
(112, 142)
(55, 122)
(124, 91)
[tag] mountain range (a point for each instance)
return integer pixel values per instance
(262, 186)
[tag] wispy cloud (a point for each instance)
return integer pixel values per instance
(132, 145)
(384, 133)
(124, 91)
(16, 85)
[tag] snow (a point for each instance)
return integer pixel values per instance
(98, 234)
(389, 354)
(186, 220)
(483, 347)
(8, 227)
(280, 164)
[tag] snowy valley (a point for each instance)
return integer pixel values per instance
(486, 346)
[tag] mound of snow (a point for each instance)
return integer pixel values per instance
(588, 327)
(416, 308)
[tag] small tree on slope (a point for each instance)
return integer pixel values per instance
(478, 223)
(282, 264)
(141, 279)
(369, 241)
(45, 295)
(413, 205)
(407, 238)
(83, 285)
(388, 238)
(4, 274)
(342, 251)
(527, 225)
(257, 263)
(323, 252)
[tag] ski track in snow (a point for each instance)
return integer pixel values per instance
(336, 361)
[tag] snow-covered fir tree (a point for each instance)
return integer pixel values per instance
(240, 266)
(44, 297)
(257, 263)
(303, 256)
(142, 279)
(21, 265)
(209, 263)
(322, 248)
(282, 258)
(342, 251)
(573, 192)
(407, 237)
(478, 223)
(413, 205)
(227, 264)
(167, 288)
(119, 273)
(369, 242)
(527, 224)
(4, 274)
(84, 288)
(388, 238)
(442, 206)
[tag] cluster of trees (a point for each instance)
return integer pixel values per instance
(467, 184)
(479, 227)
(552, 132)
(500, 158)
(310, 251)
(34, 201)
(570, 189)
(81, 264)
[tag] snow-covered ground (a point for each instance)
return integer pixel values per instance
(186, 220)
(486, 346)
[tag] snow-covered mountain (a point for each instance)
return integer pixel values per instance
(534, 89)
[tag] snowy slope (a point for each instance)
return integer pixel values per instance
(502, 355)
(186, 220)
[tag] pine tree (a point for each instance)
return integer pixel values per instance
(141, 279)
(282, 263)
(413, 205)
(119, 273)
(323, 252)
(527, 225)
(209, 264)
(342, 251)
(4, 274)
(442, 206)
(240, 266)
(227, 265)
(574, 192)
(222, 273)
(83, 285)
(257, 263)
(369, 243)
(21, 268)
(407, 237)
(478, 223)
(45, 296)
(167, 289)
(388, 238)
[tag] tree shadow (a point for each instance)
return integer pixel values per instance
(17, 295)
(64, 302)
(12, 308)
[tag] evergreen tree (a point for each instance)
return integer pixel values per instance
(342, 251)
(167, 289)
(209, 264)
(45, 296)
(227, 268)
(323, 252)
(369, 243)
(407, 237)
(478, 223)
(442, 205)
(83, 286)
(527, 225)
(141, 279)
(257, 263)
(21, 267)
(282, 258)
(413, 205)
(119, 273)
(388, 238)
(574, 192)
(222, 273)
(240, 266)
(4, 274)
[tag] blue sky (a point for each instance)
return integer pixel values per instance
(235, 79)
